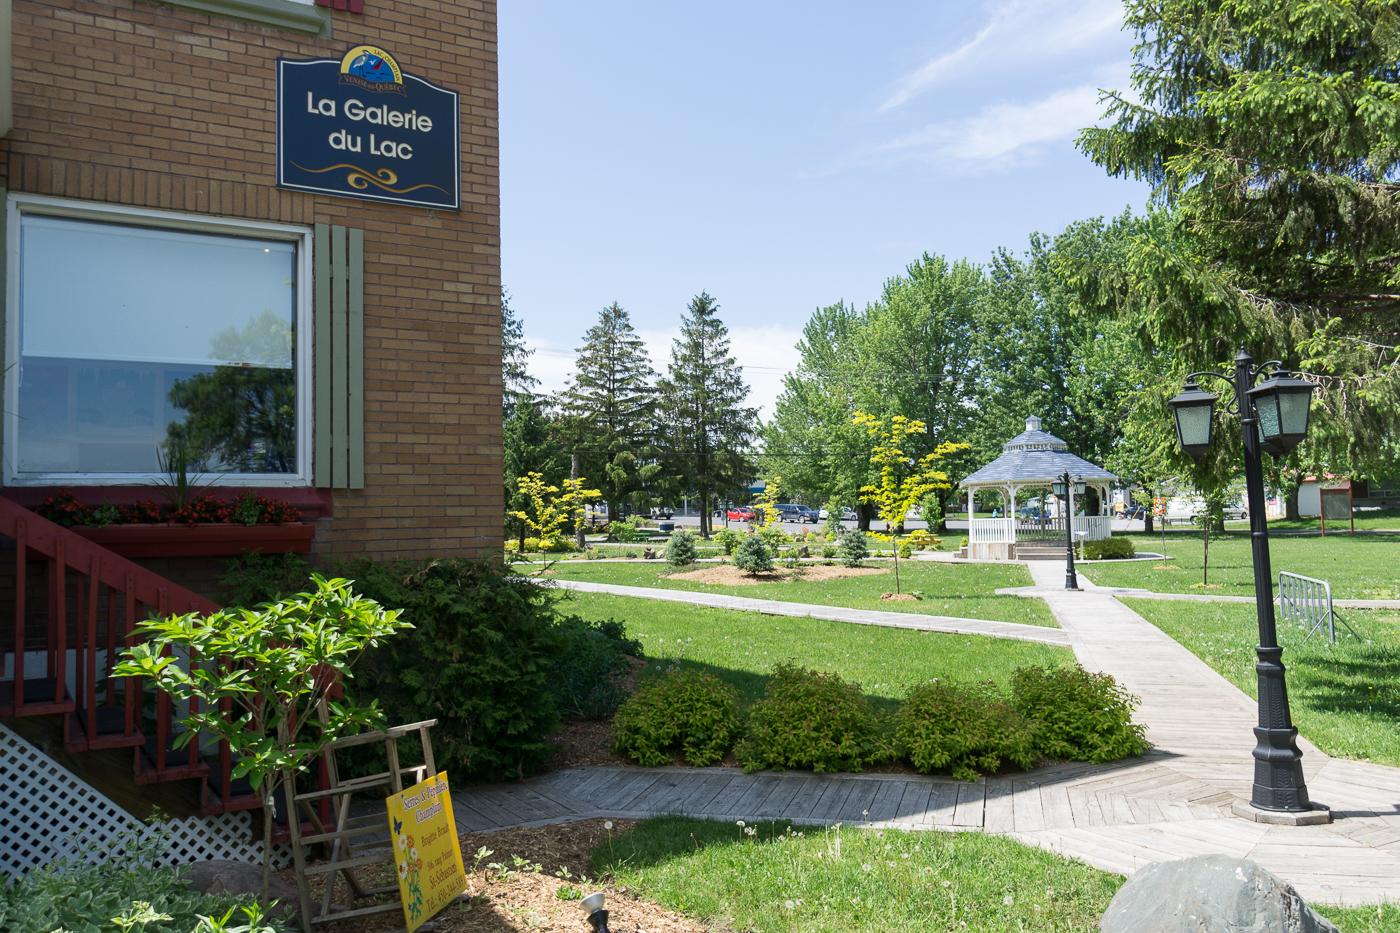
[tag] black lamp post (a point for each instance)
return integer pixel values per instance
(1273, 417)
(1062, 488)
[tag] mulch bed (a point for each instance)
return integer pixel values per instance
(729, 575)
(522, 897)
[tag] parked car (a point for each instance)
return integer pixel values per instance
(847, 515)
(1032, 511)
(662, 511)
(1133, 513)
(740, 513)
(788, 512)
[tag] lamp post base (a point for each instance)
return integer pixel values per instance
(1248, 811)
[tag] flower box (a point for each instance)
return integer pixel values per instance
(210, 540)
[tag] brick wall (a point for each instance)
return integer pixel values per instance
(131, 103)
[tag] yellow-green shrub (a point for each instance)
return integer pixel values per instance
(693, 713)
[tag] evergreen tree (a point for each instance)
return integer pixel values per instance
(1269, 132)
(708, 429)
(528, 448)
(610, 408)
(516, 381)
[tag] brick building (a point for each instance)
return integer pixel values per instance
(337, 352)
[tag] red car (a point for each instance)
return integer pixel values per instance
(741, 514)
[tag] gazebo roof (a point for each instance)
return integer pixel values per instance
(1035, 456)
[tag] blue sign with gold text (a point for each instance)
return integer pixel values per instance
(359, 127)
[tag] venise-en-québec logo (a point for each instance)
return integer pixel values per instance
(372, 69)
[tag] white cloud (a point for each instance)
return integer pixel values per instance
(1019, 33)
(1000, 133)
(766, 352)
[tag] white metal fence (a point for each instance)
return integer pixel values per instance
(1307, 603)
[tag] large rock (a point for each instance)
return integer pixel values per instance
(1209, 894)
(219, 876)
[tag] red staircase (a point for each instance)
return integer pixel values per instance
(78, 603)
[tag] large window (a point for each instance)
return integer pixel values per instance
(139, 342)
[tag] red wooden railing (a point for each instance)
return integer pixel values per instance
(108, 595)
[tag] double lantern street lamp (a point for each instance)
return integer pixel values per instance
(1061, 487)
(1273, 418)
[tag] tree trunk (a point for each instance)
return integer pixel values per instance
(578, 514)
(1205, 557)
(1290, 505)
(1147, 511)
(706, 526)
(863, 511)
(269, 814)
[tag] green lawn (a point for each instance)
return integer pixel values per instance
(1364, 567)
(795, 878)
(1345, 697)
(742, 647)
(966, 591)
(1371, 519)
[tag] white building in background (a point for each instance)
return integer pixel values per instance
(1381, 494)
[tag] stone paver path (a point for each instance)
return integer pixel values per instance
(1171, 803)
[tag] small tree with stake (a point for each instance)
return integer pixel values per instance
(278, 665)
(904, 481)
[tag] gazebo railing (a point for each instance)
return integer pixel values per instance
(1050, 530)
(991, 531)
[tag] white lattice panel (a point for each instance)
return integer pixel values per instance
(46, 812)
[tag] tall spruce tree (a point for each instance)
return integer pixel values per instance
(1268, 128)
(516, 381)
(708, 431)
(610, 409)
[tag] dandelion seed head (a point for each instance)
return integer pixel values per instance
(607, 824)
(1008, 900)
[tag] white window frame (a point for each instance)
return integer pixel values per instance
(20, 204)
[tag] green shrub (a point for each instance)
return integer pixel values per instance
(625, 532)
(967, 729)
(828, 550)
(963, 541)
(729, 539)
(906, 550)
(693, 713)
(680, 550)
(774, 537)
(751, 556)
(853, 548)
(1077, 715)
(254, 579)
(1109, 549)
(588, 677)
(478, 660)
(101, 890)
(813, 720)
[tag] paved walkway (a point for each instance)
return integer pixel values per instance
(1172, 803)
(910, 620)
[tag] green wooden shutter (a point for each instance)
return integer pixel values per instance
(339, 357)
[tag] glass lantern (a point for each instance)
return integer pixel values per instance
(1193, 414)
(1283, 404)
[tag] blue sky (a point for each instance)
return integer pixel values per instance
(783, 156)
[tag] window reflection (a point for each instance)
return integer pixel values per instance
(141, 345)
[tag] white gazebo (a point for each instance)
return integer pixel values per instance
(1033, 459)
